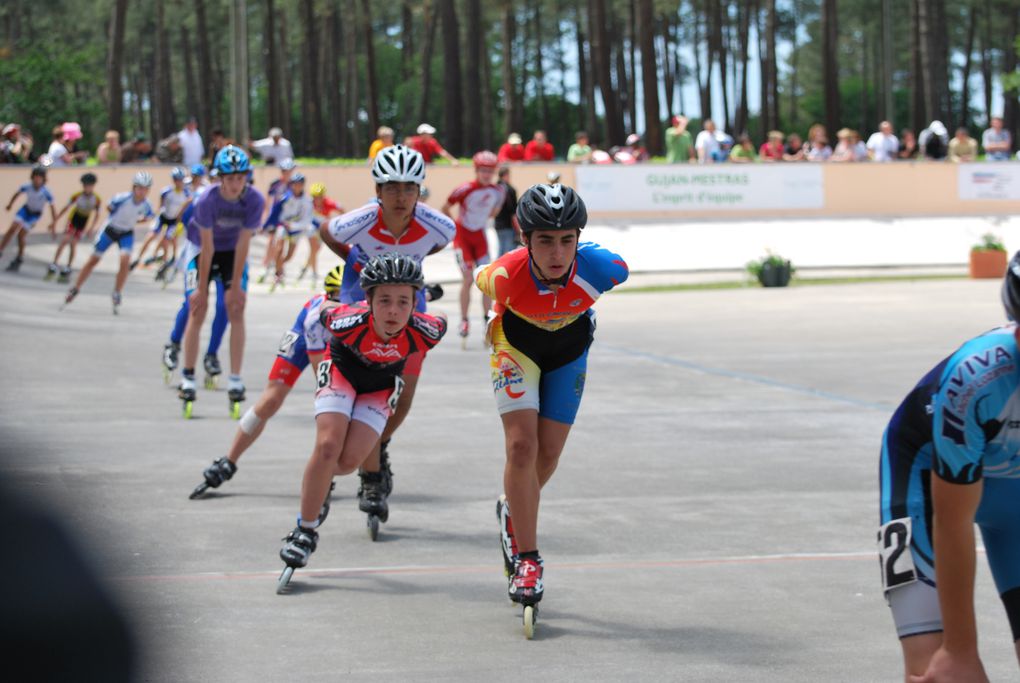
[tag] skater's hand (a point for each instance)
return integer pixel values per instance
(235, 298)
(53, 232)
(957, 668)
(199, 301)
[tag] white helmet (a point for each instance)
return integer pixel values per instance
(398, 164)
(142, 179)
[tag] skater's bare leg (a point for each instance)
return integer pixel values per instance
(268, 404)
(122, 273)
(9, 235)
(467, 284)
(86, 271)
(235, 314)
(196, 316)
(372, 463)
(330, 432)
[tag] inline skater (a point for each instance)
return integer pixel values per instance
(539, 358)
(949, 460)
(479, 200)
(227, 216)
(126, 210)
(359, 386)
(82, 205)
(277, 189)
(173, 200)
(171, 351)
(395, 222)
(302, 345)
(324, 209)
(293, 216)
(37, 196)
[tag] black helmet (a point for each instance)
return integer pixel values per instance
(88, 179)
(391, 269)
(1011, 289)
(551, 207)
(39, 170)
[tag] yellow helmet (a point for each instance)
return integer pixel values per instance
(318, 190)
(333, 280)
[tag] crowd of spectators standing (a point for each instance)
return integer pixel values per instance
(710, 145)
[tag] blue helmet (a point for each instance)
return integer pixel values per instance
(198, 170)
(232, 159)
(297, 178)
(177, 173)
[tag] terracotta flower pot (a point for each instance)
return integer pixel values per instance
(986, 263)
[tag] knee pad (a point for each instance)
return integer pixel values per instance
(250, 421)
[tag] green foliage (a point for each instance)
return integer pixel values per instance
(989, 242)
(755, 267)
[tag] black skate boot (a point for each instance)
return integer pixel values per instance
(215, 474)
(71, 294)
(188, 393)
(384, 467)
(51, 271)
(115, 298)
(526, 585)
(506, 537)
(171, 351)
(324, 511)
(65, 275)
(299, 546)
(235, 394)
(212, 370)
(433, 292)
(14, 265)
(373, 502)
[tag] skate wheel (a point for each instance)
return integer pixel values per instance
(199, 490)
(373, 527)
(530, 621)
(210, 382)
(235, 410)
(463, 343)
(281, 583)
(188, 406)
(167, 376)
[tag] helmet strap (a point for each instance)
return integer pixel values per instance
(541, 276)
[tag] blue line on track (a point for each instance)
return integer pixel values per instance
(747, 377)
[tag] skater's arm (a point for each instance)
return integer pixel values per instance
(338, 248)
(11, 203)
(240, 261)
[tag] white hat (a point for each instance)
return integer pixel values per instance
(426, 129)
(275, 132)
(514, 139)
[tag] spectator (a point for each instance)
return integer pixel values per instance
(908, 145)
(772, 149)
(428, 146)
(632, 152)
(580, 151)
(997, 141)
(506, 234)
(383, 139)
(883, 145)
(109, 150)
(725, 141)
(538, 148)
(963, 147)
(512, 149)
(679, 144)
(934, 141)
(706, 144)
(818, 148)
(274, 148)
(217, 142)
(14, 146)
(137, 151)
(857, 145)
(60, 149)
(190, 141)
(170, 150)
(794, 150)
(743, 152)
(845, 148)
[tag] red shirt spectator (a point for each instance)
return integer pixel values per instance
(512, 149)
(772, 149)
(428, 146)
(538, 148)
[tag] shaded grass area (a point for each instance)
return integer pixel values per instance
(795, 282)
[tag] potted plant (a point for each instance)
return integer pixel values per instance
(771, 270)
(988, 257)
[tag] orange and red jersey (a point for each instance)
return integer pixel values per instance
(477, 202)
(512, 285)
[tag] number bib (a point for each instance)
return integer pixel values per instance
(894, 554)
(290, 338)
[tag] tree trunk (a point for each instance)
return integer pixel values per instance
(722, 59)
(589, 122)
(283, 73)
(968, 54)
(649, 78)
(603, 64)
(668, 78)
(743, 31)
(620, 69)
(887, 62)
(487, 137)
(773, 77)
(917, 98)
(986, 61)
(311, 123)
(406, 40)
(452, 113)
(472, 76)
(205, 71)
(352, 119)
(163, 77)
(924, 23)
(269, 57)
(511, 106)
(371, 84)
(426, 60)
(1010, 108)
(114, 62)
(704, 86)
(190, 102)
(830, 66)
(632, 63)
(539, 73)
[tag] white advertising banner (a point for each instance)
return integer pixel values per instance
(719, 187)
(990, 180)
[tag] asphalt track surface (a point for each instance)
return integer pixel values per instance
(712, 519)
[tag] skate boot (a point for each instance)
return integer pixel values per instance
(51, 271)
(526, 589)
(215, 474)
(298, 547)
(153, 259)
(116, 299)
(463, 332)
(301, 275)
(14, 265)
(171, 351)
(433, 292)
(384, 467)
(263, 277)
(506, 537)
(212, 370)
(373, 502)
(65, 275)
(71, 293)
(187, 393)
(277, 282)
(324, 511)
(235, 394)
(133, 265)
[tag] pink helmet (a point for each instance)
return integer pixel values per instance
(72, 131)
(485, 159)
